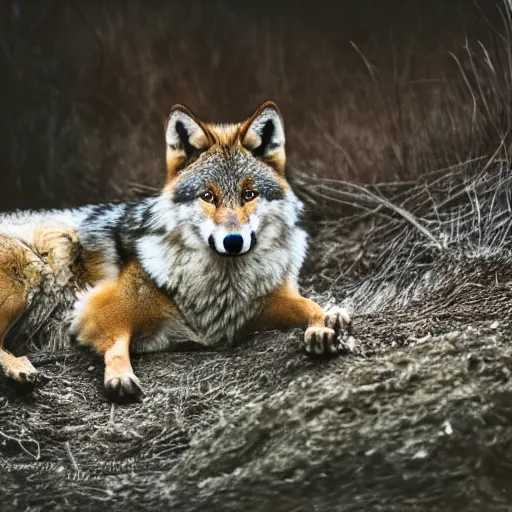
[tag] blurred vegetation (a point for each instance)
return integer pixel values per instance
(370, 91)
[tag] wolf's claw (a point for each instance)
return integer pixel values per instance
(339, 320)
(328, 340)
(22, 376)
(123, 388)
(321, 340)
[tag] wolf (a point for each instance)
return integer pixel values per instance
(213, 256)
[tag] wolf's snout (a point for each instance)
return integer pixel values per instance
(233, 243)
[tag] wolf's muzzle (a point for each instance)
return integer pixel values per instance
(232, 244)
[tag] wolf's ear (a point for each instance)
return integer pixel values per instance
(263, 135)
(186, 139)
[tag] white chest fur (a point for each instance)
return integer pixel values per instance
(218, 296)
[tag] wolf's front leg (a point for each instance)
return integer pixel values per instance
(107, 318)
(286, 308)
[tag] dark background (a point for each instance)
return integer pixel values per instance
(370, 90)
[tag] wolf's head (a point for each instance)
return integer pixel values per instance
(227, 181)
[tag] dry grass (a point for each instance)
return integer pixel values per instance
(369, 94)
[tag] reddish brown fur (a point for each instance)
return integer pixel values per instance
(127, 306)
(239, 214)
(286, 308)
(177, 160)
(224, 136)
(58, 246)
(20, 272)
(118, 310)
(52, 253)
(276, 160)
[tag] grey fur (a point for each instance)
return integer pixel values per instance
(228, 169)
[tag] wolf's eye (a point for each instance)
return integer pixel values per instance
(249, 195)
(208, 197)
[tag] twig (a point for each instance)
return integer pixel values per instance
(11, 438)
(71, 457)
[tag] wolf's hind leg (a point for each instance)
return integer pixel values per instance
(58, 246)
(20, 272)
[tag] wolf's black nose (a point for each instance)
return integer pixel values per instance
(233, 243)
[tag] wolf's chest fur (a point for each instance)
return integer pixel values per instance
(218, 297)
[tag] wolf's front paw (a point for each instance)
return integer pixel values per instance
(339, 320)
(331, 339)
(321, 340)
(123, 387)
